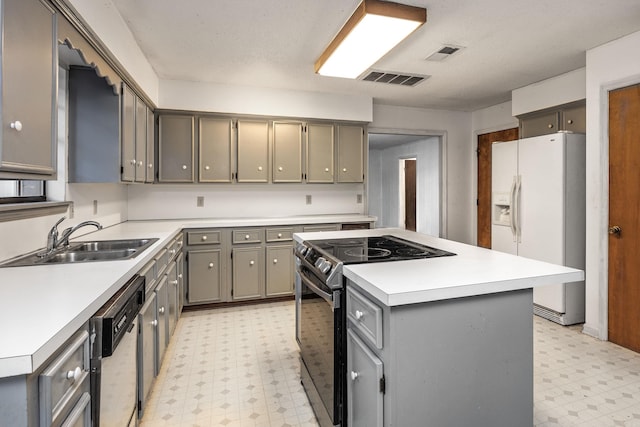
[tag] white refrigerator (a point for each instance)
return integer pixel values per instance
(538, 211)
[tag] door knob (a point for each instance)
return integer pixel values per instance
(615, 230)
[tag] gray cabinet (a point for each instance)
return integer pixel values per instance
(279, 270)
(215, 148)
(253, 151)
(570, 117)
(205, 275)
(320, 153)
(29, 85)
(151, 171)
(176, 148)
(147, 325)
(365, 373)
(161, 335)
(287, 152)
(248, 273)
(172, 298)
(128, 132)
(574, 118)
(350, 160)
(141, 141)
(180, 269)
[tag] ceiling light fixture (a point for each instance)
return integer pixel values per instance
(373, 29)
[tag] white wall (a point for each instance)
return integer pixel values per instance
(454, 127)
(611, 66)
(562, 89)
(242, 200)
(384, 183)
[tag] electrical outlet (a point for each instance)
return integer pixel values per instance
(200, 201)
(358, 198)
(308, 197)
(95, 207)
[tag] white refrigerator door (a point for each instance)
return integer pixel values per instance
(541, 167)
(504, 168)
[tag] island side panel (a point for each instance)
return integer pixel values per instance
(460, 362)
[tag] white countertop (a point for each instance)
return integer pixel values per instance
(42, 306)
(472, 271)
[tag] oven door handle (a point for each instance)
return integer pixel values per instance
(334, 302)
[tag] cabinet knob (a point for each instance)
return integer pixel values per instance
(154, 323)
(280, 168)
(180, 276)
(17, 125)
(174, 282)
(140, 163)
(275, 260)
(279, 235)
(344, 169)
(550, 126)
(615, 230)
(172, 251)
(204, 238)
(161, 310)
(75, 374)
(246, 237)
(207, 167)
(354, 375)
(133, 161)
(184, 167)
(359, 314)
(252, 262)
(326, 169)
(570, 121)
(259, 168)
(210, 265)
(150, 165)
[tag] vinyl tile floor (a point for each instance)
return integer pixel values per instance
(239, 366)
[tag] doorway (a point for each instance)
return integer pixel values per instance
(624, 227)
(407, 193)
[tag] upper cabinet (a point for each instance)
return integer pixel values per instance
(136, 164)
(569, 117)
(215, 145)
(253, 151)
(320, 152)
(350, 153)
(287, 152)
(29, 85)
(175, 148)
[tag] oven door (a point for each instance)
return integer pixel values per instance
(321, 326)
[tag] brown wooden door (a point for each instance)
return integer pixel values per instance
(410, 194)
(624, 212)
(484, 181)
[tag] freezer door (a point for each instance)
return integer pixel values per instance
(541, 164)
(504, 168)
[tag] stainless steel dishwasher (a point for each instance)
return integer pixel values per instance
(113, 357)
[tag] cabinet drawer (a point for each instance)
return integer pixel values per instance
(149, 273)
(203, 237)
(365, 316)
(162, 259)
(279, 234)
(63, 379)
(320, 227)
(250, 235)
(174, 248)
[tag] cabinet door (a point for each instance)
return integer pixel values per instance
(253, 151)
(180, 269)
(128, 138)
(172, 294)
(162, 303)
(364, 375)
(141, 141)
(205, 276)
(248, 273)
(29, 85)
(287, 152)
(320, 153)
(175, 143)
(279, 270)
(537, 125)
(147, 325)
(350, 153)
(150, 157)
(574, 119)
(215, 149)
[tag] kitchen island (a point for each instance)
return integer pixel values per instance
(442, 341)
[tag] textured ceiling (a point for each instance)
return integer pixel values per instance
(274, 44)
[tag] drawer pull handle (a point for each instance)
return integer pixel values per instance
(359, 315)
(210, 265)
(246, 237)
(252, 262)
(75, 374)
(204, 238)
(354, 375)
(161, 310)
(279, 235)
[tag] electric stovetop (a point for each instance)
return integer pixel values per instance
(361, 250)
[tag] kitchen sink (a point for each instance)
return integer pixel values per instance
(98, 250)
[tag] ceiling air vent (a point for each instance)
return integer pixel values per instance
(400, 79)
(444, 53)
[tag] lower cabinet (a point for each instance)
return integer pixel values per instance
(162, 335)
(148, 324)
(280, 270)
(205, 276)
(248, 273)
(364, 373)
(172, 298)
(180, 269)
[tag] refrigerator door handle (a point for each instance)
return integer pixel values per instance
(518, 221)
(512, 216)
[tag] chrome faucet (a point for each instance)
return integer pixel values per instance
(54, 242)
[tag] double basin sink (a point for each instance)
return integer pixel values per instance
(99, 250)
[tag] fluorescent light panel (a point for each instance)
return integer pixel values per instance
(374, 29)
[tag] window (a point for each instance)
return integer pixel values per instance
(21, 191)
